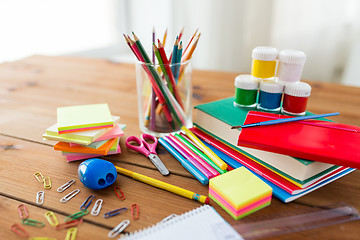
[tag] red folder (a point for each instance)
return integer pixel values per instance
(315, 140)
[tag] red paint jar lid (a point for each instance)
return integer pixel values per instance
(300, 89)
(292, 57)
(246, 81)
(265, 53)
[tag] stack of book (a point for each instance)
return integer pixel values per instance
(85, 131)
(289, 177)
(239, 192)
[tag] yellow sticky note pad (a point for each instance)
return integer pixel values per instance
(240, 187)
(83, 117)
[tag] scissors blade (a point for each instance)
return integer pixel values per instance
(158, 164)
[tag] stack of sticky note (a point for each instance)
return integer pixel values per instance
(239, 192)
(85, 131)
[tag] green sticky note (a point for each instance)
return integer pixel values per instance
(240, 187)
(83, 117)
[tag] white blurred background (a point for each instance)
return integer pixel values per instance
(328, 31)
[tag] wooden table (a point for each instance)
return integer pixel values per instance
(30, 91)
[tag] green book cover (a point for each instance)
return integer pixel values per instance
(222, 114)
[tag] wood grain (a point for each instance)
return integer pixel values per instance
(32, 89)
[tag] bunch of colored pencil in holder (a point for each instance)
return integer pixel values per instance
(164, 84)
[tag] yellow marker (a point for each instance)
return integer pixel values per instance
(205, 149)
(165, 186)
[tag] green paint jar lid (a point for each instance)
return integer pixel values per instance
(246, 81)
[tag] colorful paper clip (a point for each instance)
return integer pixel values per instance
(69, 196)
(39, 177)
(65, 186)
(50, 216)
(16, 228)
(118, 229)
(135, 212)
(32, 222)
(114, 212)
(40, 197)
(70, 224)
(23, 212)
(76, 215)
(87, 202)
(122, 197)
(97, 207)
(47, 182)
(71, 234)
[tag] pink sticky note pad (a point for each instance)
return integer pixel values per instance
(75, 157)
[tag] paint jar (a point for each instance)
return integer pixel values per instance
(270, 94)
(295, 98)
(246, 90)
(264, 62)
(291, 63)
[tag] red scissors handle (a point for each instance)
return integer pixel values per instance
(153, 142)
(139, 147)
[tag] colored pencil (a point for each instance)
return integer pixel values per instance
(153, 97)
(165, 37)
(192, 38)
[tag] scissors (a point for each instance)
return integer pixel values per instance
(147, 149)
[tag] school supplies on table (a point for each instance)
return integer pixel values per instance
(184, 162)
(315, 140)
(83, 137)
(283, 189)
(200, 223)
(285, 120)
(216, 119)
(163, 185)
(80, 143)
(83, 117)
(146, 145)
(239, 192)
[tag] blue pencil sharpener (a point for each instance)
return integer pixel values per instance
(96, 173)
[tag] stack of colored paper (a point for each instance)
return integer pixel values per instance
(85, 131)
(239, 192)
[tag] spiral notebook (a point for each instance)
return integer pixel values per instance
(200, 223)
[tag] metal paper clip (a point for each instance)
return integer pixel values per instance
(65, 186)
(32, 222)
(72, 223)
(50, 216)
(40, 197)
(47, 184)
(23, 212)
(76, 215)
(16, 228)
(87, 202)
(169, 217)
(70, 196)
(135, 211)
(114, 212)
(39, 177)
(122, 197)
(118, 229)
(97, 207)
(71, 234)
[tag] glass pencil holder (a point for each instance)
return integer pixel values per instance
(164, 93)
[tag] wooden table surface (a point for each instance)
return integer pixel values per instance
(30, 91)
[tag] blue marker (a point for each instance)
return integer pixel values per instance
(185, 163)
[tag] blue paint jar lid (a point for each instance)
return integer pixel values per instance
(246, 81)
(265, 53)
(271, 87)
